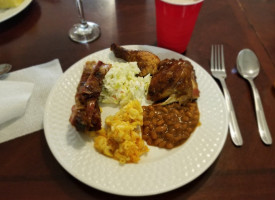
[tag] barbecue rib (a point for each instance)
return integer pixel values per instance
(146, 61)
(175, 81)
(86, 113)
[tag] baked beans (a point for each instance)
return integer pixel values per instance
(168, 126)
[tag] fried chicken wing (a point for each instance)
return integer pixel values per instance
(85, 114)
(175, 81)
(146, 61)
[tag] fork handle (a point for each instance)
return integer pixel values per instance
(263, 127)
(233, 124)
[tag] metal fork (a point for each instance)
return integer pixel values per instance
(219, 72)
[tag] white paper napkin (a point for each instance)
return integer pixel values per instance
(42, 78)
(14, 96)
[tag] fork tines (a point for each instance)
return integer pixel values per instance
(217, 57)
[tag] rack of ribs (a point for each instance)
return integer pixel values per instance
(85, 114)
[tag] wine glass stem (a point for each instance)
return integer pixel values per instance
(81, 13)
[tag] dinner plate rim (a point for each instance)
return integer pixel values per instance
(217, 153)
(11, 12)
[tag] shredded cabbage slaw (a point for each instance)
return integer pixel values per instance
(121, 85)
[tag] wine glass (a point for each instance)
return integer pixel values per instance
(84, 31)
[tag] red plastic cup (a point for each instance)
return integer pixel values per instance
(175, 22)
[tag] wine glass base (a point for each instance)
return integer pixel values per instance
(84, 33)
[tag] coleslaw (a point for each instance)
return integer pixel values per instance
(121, 85)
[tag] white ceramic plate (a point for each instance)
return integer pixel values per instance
(10, 12)
(160, 170)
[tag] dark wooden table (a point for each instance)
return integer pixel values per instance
(28, 169)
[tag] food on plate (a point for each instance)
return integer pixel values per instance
(170, 84)
(85, 114)
(121, 139)
(147, 61)
(10, 3)
(174, 82)
(168, 126)
(121, 84)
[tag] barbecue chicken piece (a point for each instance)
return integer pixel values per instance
(175, 82)
(146, 61)
(86, 113)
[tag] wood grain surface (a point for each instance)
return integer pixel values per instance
(39, 34)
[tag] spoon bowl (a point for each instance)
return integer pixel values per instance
(249, 67)
(248, 64)
(4, 68)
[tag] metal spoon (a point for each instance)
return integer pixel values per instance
(249, 67)
(4, 68)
